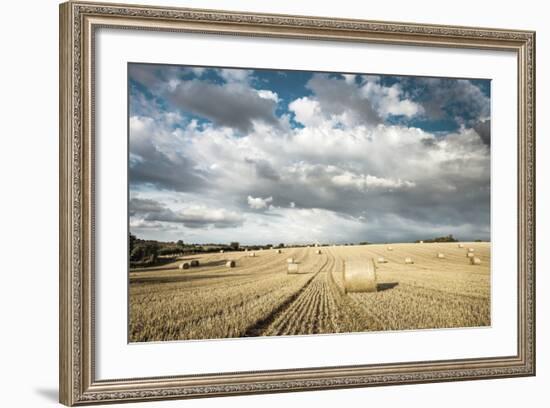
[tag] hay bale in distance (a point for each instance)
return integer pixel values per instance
(221, 251)
(279, 251)
(195, 262)
(408, 260)
(252, 254)
(230, 264)
(470, 255)
(389, 248)
(318, 252)
(475, 260)
(381, 259)
(290, 260)
(184, 265)
(440, 255)
(461, 245)
(293, 268)
(359, 276)
(421, 242)
(471, 250)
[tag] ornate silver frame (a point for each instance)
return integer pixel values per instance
(78, 22)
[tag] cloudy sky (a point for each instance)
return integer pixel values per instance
(267, 156)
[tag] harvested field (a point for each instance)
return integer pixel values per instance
(258, 297)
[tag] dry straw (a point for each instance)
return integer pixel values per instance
(475, 261)
(390, 248)
(184, 265)
(359, 276)
(292, 268)
(318, 252)
(230, 264)
(195, 262)
(471, 250)
(381, 259)
(441, 255)
(461, 245)
(408, 261)
(470, 255)
(290, 260)
(252, 254)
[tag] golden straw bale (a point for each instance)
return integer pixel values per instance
(359, 276)
(292, 268)
(475, 261)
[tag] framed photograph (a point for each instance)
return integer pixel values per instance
(256, 203)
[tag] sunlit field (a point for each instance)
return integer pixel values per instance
(258, 297)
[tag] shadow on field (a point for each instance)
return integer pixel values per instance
(213, 263)
(183, 278)
(175, 267)
(385, 286)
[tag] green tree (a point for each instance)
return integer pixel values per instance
(131, 242)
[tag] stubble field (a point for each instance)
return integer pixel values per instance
(259, 298)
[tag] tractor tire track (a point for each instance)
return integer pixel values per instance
(263, 326)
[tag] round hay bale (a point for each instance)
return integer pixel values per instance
(461, 245)
(292, 268)
(195, 262)
(252, 254)
(318, 252)
(421, 242)
(184, 265)
(359, 276)
(471, 250)
(475, 260)
(221, 251)
(230, 264)
(408, 261)
(290, 260)
(470, 255)
(440, 255)
(246, 250)
(279, 251)
(381, 259)
(390, 248)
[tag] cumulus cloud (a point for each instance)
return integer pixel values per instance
(232, 104)
(457, 99)
(154, 159)
(258, 203)
(247, 170)
(146, 212)
(389, 100)
(342, 100)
